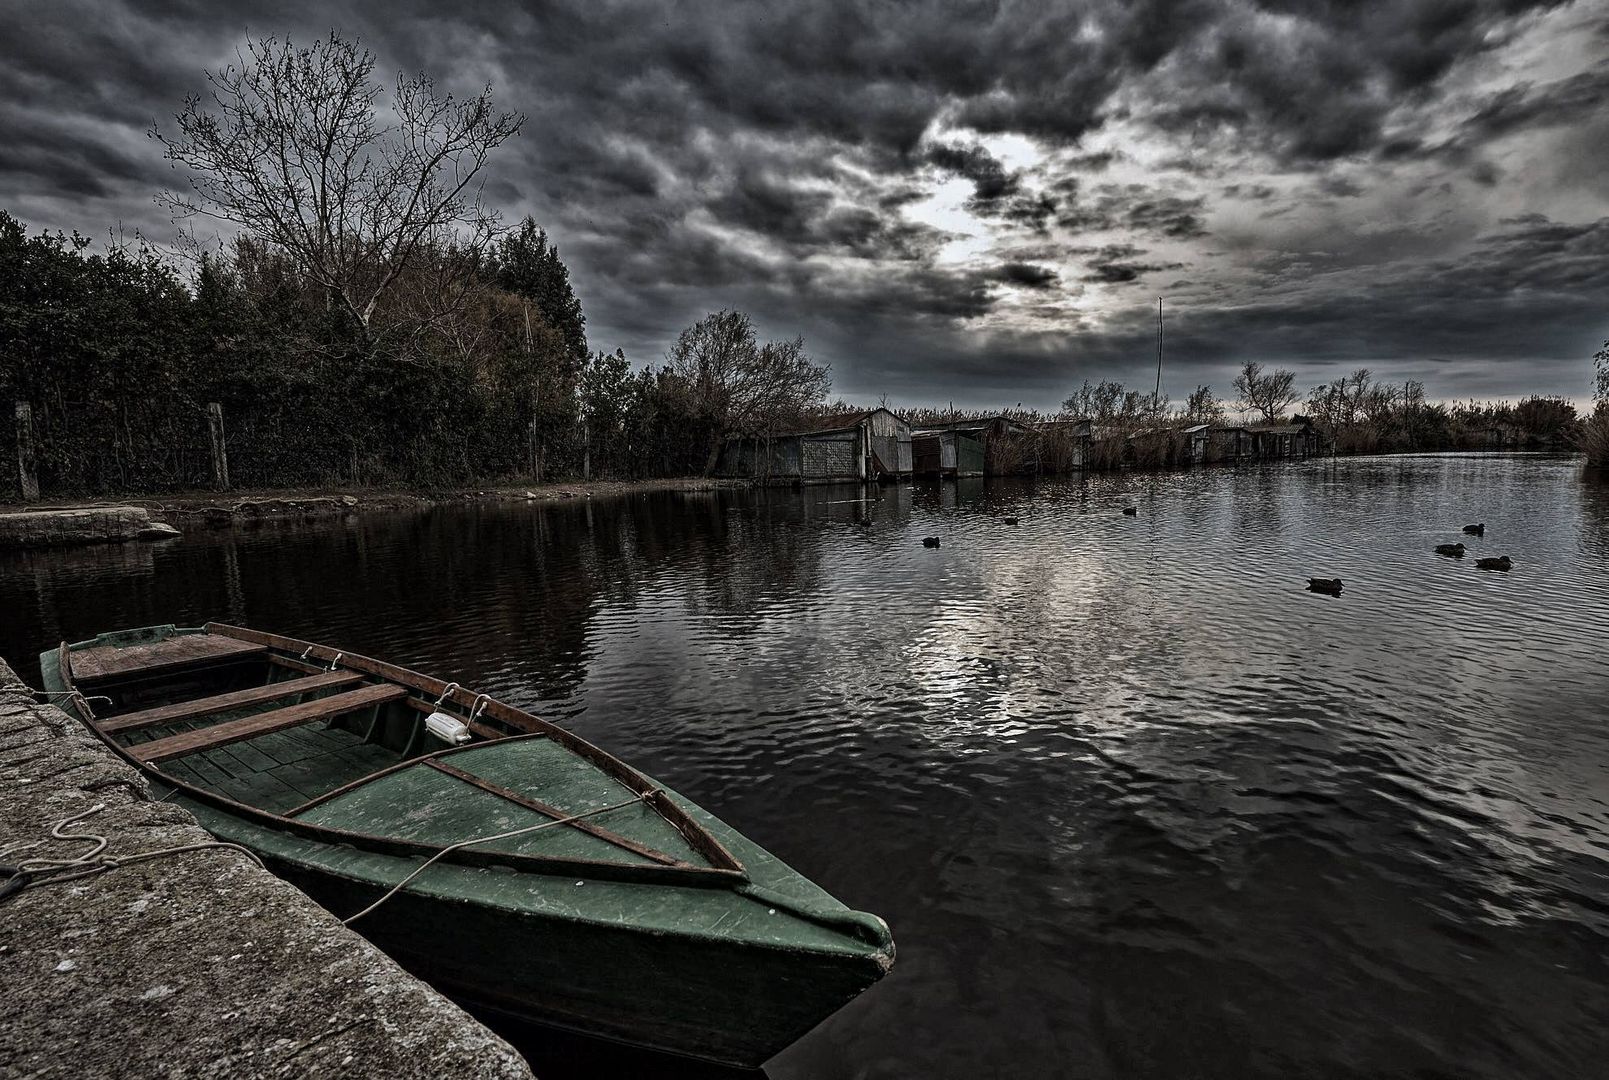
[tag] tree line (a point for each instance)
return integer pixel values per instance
(1357, 413)
(370, 321)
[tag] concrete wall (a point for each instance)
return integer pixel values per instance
(198, 965)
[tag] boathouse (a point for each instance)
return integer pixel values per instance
(870, 445)
(1010, 447)
(1064, 445)
(1214, 443)
(1295, 438)
(946, 453)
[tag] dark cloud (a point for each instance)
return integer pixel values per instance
(1315, 80)
(1527, 106)
(1135, 208)
(1117, 264)
(1252, 192)
(1340, 187)
(782, 158)
(1026, 275)
(990, 181)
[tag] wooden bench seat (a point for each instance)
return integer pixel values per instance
(249, 727)
(238, 699)
(102, 662)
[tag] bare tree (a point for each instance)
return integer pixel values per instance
(290, 145)
(737, 385)
(1107, 402)
(1268, 394)
(1203, 406)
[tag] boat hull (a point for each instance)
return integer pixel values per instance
(730, 1003)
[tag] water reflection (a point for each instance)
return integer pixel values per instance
(555, 1054)
(1135, 802)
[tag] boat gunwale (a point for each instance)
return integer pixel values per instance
(728, 875)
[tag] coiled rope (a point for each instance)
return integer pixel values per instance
(40, 871)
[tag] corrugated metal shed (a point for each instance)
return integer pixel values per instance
(869, 445)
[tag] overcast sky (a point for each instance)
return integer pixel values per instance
(965, 201)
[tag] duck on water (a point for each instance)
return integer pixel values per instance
(511, 863)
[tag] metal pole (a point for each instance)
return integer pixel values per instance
(1156, 398)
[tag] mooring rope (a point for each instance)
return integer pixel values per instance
(73, 695)
(39, 871)
(398, 887)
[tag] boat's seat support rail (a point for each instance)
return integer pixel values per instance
(548, 810)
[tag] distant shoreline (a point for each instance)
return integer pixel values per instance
(220, 509)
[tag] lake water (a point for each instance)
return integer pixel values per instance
(1134, 802)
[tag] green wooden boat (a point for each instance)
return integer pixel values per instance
(592, 898)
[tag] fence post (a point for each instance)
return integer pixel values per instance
(27, 460)
(220, 455)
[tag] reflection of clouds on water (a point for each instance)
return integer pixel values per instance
(1594, 495)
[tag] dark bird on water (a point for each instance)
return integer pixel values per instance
(1329, 585)
(1502, 562)
(930, 541)
(1131, 511)
(864, 523)
(1011, 521)
(1476, 530)
(1454, 551)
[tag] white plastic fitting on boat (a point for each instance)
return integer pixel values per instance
(447, 728)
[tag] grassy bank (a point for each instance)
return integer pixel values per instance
(188, 510)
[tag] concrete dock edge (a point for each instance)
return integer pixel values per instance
(70, 526)
(196, 965)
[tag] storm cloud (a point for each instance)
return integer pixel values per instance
(968, 202)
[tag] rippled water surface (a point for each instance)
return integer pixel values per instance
(1134, 802)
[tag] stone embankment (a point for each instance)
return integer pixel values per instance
(80, 525)
(198, 964)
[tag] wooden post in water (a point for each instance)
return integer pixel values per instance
(220, 455)
(27, 459)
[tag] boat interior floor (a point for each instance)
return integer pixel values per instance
(276, 771)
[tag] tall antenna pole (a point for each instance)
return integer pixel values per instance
(1156, 399)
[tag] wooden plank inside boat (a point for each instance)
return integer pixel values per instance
(153, 657)
(249, 727)
(553, 812)
(239, 699)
